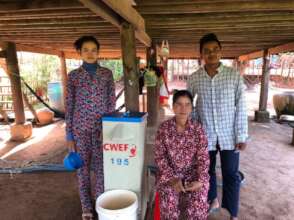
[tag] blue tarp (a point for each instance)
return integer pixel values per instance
(35, 168)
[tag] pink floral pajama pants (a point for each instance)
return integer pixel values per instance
(196, 207)
(89, 146)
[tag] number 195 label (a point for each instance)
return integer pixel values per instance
(120, 161)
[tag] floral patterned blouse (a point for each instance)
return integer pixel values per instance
(181, 154)
(88, 98)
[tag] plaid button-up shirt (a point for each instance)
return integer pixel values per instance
(220, 106)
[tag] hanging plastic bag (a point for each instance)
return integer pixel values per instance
(164, 52)
(163, 90)
(150, 78)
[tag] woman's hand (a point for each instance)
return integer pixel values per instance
(177, 185)
(71, 146)
(194, 186)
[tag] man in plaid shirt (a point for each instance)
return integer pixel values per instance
(221, 109)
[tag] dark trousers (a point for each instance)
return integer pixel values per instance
(231, 180)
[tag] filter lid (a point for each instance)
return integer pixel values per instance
(125, 117)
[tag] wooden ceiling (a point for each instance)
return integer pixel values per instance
(243, 26)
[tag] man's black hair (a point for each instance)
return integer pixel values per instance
(208, 38)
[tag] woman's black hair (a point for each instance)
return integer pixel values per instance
(182, 93)
(209, 38)
(78, 44)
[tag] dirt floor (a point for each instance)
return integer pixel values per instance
(39, 196)
(47, 145)
(268, 167)
(267, 164)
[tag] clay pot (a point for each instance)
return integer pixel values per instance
(284, 103)
(45, 116)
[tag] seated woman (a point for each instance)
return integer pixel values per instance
(181, 155)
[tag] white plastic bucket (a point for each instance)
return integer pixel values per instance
(117, 205)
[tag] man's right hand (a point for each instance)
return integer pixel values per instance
(177, 185)
(71, 146)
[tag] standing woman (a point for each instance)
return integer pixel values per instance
(90, 94)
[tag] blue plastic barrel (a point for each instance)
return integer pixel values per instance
(55, 95)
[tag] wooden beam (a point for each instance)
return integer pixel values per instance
(57, 30)
(62, 33)
(237, 37)
(97, 25)
(113, 51)
(213, 7)
(116, 17)
(247, 15)
(112, 43)
(156, 21)
(36, 5)
(221, 25)
(177, 2)
(71, 53)
(13, 73)
(127, 12)
(249, 38)
(44, 15)
(274, 50)
(36, 49)
(131, 80)
(53, 13)
(233, 30)
(282, 48)
(251, 56)
(55, 21)
(283, 30)
(143, 37)
(102, 10)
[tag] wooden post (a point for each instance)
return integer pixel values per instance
(243, 67)
(262, 115)
(131, 79)
(2, 54)
(173, 70)
(188, 71)
(199, 62)
(164, 62)
(151, 55)
(152, 92)
(4, 114)
(31, 108)
(63, 72)
(13, 73)
(21, 129)
(238, 66)
(264, 83)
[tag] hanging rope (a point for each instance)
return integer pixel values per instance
(57, 113)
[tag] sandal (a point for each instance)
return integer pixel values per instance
(213, 210)
(87, 216)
